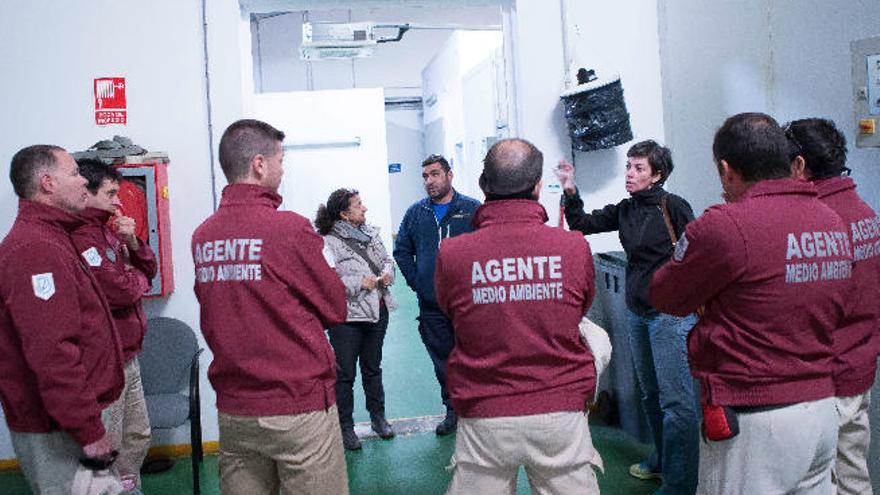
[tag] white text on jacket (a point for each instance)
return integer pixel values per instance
(531, 278)
(209, 255)
(865, 233)
(808, 246)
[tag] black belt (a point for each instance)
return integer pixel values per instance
(757, 409)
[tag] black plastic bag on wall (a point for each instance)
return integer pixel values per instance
(597, 116)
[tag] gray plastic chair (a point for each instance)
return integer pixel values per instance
(170, 366)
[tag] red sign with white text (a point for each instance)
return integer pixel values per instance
(110, 104)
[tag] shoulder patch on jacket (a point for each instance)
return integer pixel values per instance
(44, 285)
(92, 257)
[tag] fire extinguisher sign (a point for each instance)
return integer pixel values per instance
(110, 104)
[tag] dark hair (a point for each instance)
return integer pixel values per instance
(95, 171)
(512, 167)
(659, 158)
(330, 213)
(821, 144)
(432, 159)
(25, 165)
(754, 145)
(242, 141)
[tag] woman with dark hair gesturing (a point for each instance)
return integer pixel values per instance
(355, 250)
(649, 224)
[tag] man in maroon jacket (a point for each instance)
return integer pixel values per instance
(820, 156)
(772, 268)
(266, 296)
(519, 375)
(123, 266)
(61, 360)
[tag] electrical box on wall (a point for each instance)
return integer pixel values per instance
(144, 197)
(866, 81)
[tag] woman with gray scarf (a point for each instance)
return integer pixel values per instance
(355, 250)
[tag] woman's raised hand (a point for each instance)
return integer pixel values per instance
(565, 174)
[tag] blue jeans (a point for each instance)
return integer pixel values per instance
(669, 396)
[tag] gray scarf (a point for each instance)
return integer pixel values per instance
(346, 229)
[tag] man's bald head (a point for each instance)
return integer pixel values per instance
(512, 167)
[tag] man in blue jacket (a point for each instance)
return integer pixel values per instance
(444, 213)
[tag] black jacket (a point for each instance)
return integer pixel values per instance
(642, 232)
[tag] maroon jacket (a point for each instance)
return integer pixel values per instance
(856, 341)
(123, 275)
(515, 290)
(60, 358)
(774, 273)
(266, 295)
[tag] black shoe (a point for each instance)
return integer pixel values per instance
(382, 428)
(448, 424)
(350, 440)
(157, 465)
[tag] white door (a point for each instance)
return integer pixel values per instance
(333, 139)
(480, 107)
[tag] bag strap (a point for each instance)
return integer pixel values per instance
(666, 218)
(360, 251)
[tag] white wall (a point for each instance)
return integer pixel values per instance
(712, 68)
(396, 66)
(812, 71)
(51, 51)
(618, 37)
(392, 65)
(403, 130)
(534, 30)
(630, 46)
(788, 58)
(320, 121)
(443, 97)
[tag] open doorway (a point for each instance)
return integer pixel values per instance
(442, 88)
(444, 84)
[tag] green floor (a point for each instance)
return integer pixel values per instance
(406, 465)
(411, 464)
(411, 389)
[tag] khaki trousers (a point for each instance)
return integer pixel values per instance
(850, 473)
(788, 450)
(49, 461)
(555, 449)
(128, 427)
(299, 454)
